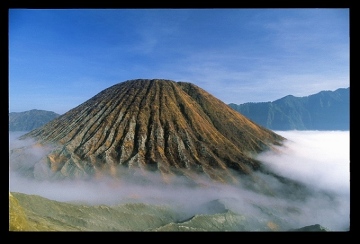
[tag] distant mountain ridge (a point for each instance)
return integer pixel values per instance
(29, 120)
(326, 110)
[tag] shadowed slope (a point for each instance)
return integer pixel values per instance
(173, 127)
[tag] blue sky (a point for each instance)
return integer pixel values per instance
(60, 58)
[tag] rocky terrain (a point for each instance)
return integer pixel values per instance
(157, 125)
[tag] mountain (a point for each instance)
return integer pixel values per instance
(156, 125)
(326, 110)
(29, 120)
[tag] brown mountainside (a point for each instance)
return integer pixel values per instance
(173, 127)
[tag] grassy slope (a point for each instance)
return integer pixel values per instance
(41, 214)
(35, 213)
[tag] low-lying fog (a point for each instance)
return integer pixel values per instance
(318, 159)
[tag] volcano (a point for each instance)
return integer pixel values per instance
(154, 125)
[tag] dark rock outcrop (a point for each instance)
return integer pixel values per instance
(316, 228)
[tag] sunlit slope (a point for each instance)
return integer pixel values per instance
(18, 220)
(46, 215)
(163, 125)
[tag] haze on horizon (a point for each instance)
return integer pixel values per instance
(59, 58)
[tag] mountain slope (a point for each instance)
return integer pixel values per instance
(29, 120)
(162, 125)
(326, 110)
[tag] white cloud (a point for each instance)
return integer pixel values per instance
(317, 158)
